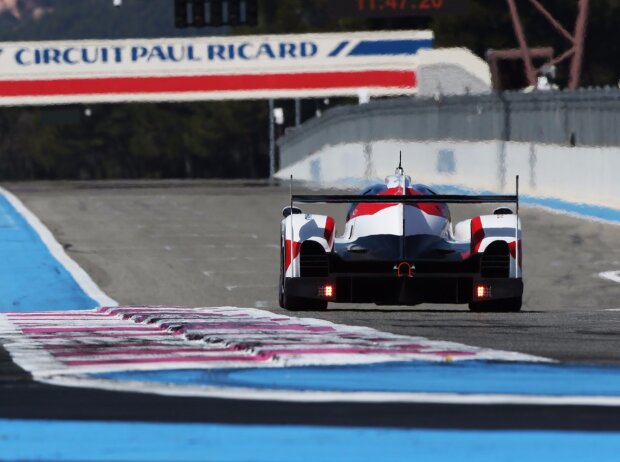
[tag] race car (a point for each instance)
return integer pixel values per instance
(399, 247)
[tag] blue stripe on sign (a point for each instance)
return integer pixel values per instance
(473, 377)
(127, 442)
(390, 47)
(31, 279)
(584, 210)
(338, 49)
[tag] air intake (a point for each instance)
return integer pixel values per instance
(495, 261)
(313, 260)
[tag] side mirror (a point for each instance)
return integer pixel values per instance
(503, 211)
(286, 211)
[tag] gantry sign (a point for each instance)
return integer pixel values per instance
(211, 68)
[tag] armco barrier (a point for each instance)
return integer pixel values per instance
(588, 117)
(581, 175)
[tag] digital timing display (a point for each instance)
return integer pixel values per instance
(387, 8)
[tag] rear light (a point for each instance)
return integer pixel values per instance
(327, 291)
(482, 292)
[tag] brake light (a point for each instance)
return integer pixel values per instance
(482, 292)
(327, 291)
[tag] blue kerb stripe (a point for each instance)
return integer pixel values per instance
(472, 377)
(31, 279)
(390, 47)
(594, 211)
(128, 442)
(586, 210)
(338, 49)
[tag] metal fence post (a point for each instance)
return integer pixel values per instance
(272, 140)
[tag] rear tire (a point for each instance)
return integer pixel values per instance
(509, 305)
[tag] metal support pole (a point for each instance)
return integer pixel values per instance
(297, 112)
(493, 57)
(530, 72)
(554, 22)
(580, 35)
(494, 65)
(577, 40)
(272, 140)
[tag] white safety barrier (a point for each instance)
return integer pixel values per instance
(582, 175)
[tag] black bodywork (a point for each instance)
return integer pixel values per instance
(371, 270)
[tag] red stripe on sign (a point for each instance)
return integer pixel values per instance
(208, 83)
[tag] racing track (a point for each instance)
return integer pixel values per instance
(216, 244)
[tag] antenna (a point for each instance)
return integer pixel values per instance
(400, 170)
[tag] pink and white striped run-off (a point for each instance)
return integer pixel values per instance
(153, 338)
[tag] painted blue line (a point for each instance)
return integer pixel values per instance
(128, 442)
(593, 211)
(31, 279)
(471, 377)
(339, 48)
(390, 47)
(584, 210)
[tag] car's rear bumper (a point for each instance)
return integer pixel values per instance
(391, 290)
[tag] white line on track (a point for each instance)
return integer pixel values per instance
(233, 272)
(263, 286)
(331, 396)
(613, 276)
(79, 275)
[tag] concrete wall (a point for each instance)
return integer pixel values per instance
(587, 175)
(581, 118)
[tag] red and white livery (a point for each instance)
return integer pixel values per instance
(399, 247)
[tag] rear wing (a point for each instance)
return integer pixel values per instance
(428, 199)
(444, 199)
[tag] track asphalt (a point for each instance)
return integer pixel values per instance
(216, 244)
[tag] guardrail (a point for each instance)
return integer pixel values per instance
(587, 117)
